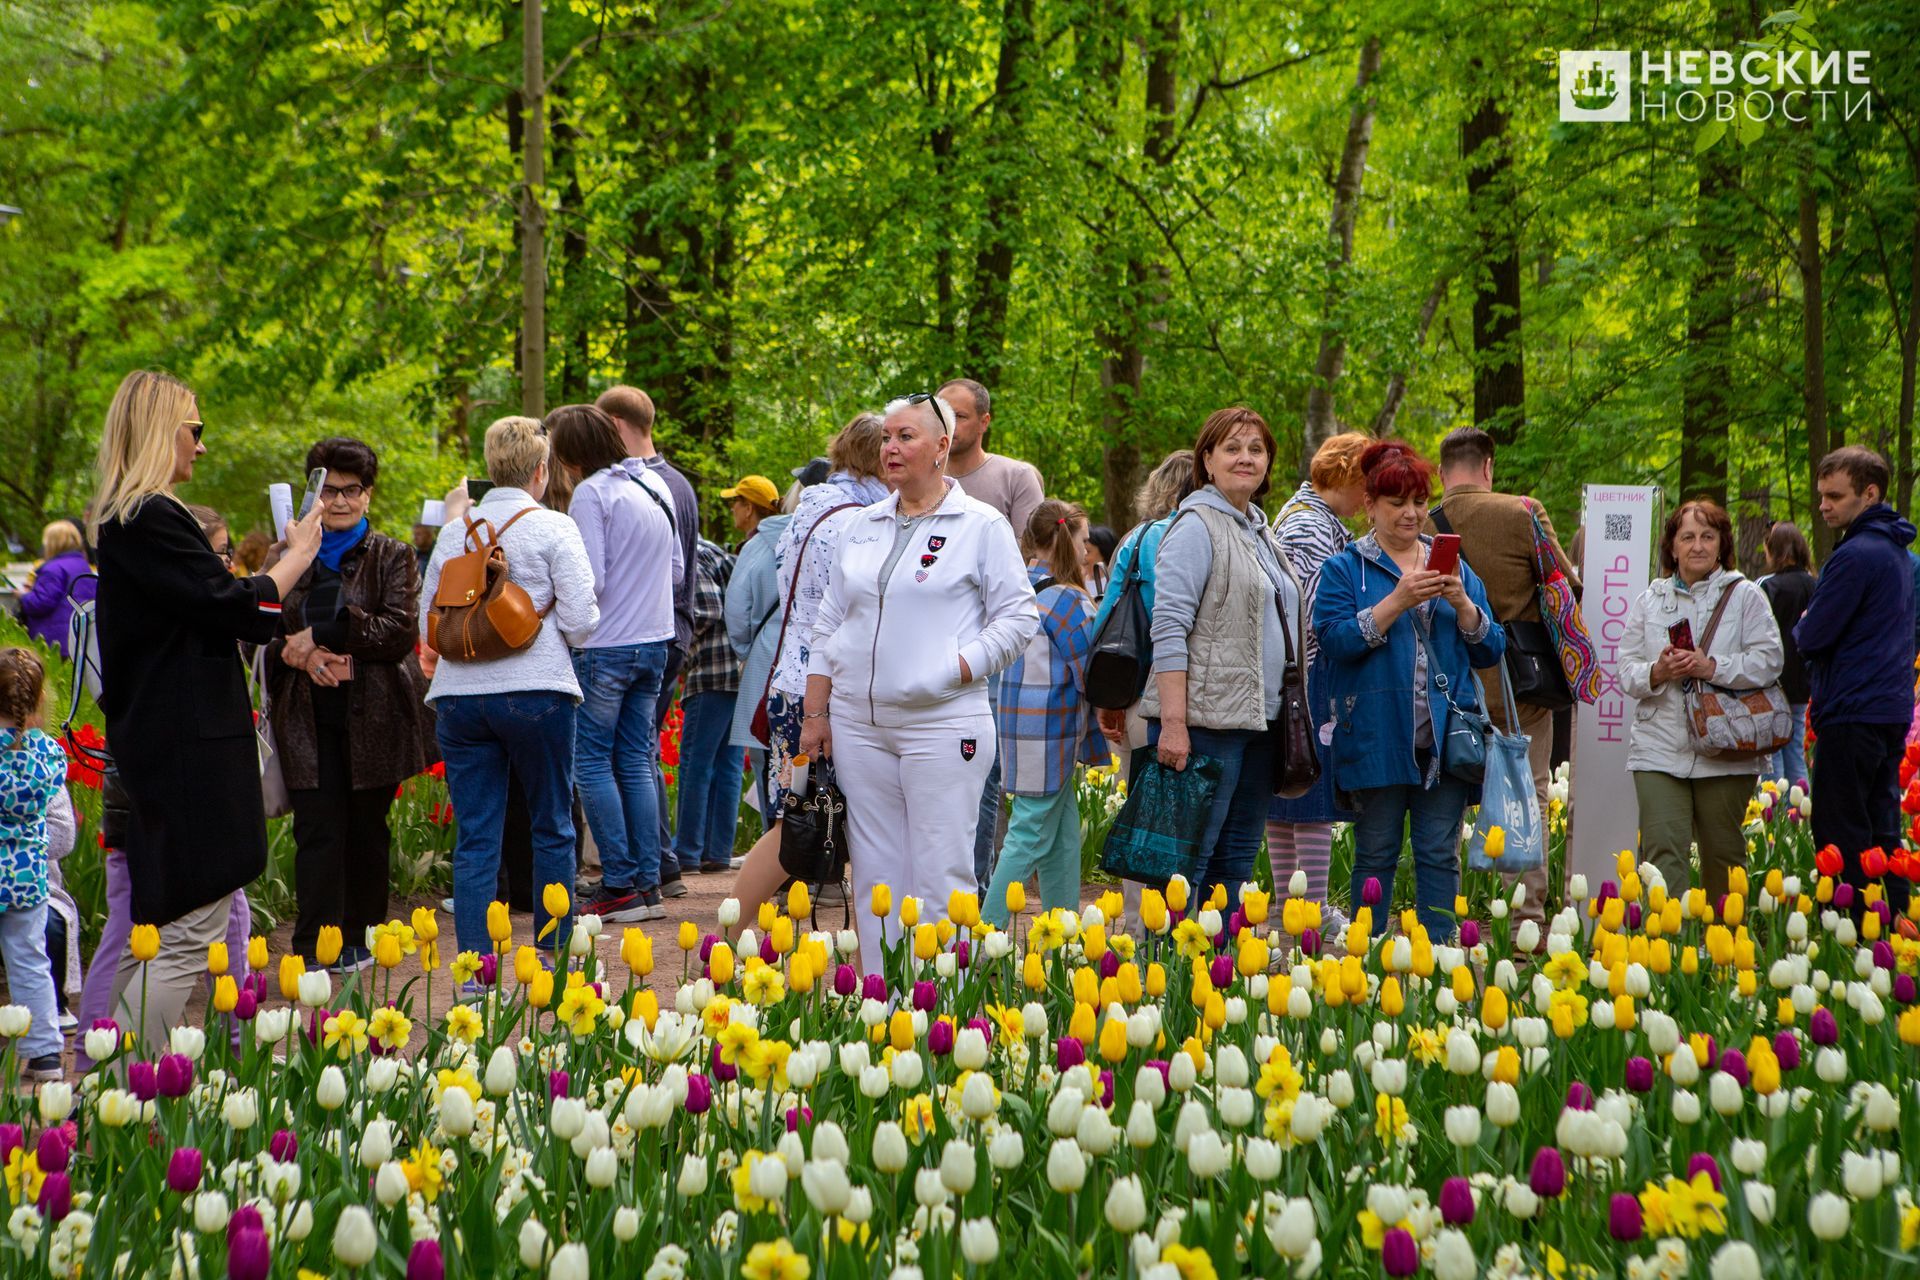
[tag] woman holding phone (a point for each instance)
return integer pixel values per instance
(1687, 798)
(1400, 640)
(178, 716)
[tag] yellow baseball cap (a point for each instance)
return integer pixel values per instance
(755, 489)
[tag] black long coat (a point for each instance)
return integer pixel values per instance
(179, 719)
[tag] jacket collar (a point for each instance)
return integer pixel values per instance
(1708, 588)
(888, 508)
(1369, 547)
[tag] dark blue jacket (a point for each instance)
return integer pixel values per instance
(1372, 685)
(1857, 635)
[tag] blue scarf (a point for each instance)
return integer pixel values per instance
(335, 545)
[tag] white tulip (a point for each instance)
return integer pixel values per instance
(102, 1043)
(355, 1239)
(1181, 1073)
(855, 1058)
(1340, 1089)
(1735, 1260)
(1860, 1174)
(1453, 1257)
(1033, 1020)
(909, 1069)
(1527, 936)
(1686, 1106)
(826, 1186)
(979, 1242)
(331, 1090)
(241, 1109)
(603, 1166)
(1463, 1053)
(1390, 1076)
(1389, 1203)
(1683, 1068)
(568, 1119)
(1723, 1091)
(1230, 1067)
(382, 1074)
(1066, 1167)
(1503, 1104)
(1828, 1216)
(768, 1179)
(1095, 1132)
(969, 1049)
(1126, 1207)
(1142, 1132)
(1760, 1201)
(390, 1184)
(569, 1262)
(1149, 1086)
(1830, 1064)
(976, 1098)
(1006, 1150)
(55, 1101)
(889, 1147)
(1294, 1229)
(875, 1082)
(830, 1142)
(1207, 1155)
(1191, 1120)
(693, 1176)
(1063, 1112)
(1463, 1126)
(315, 989)
(1262, 1158)
(456, 1113)
(189, 1041)
(533, 1244)
(1882, 1111)
(281, 1181)
(210, 1212)
(1522, 1203)
(1310, 1116)
(959, 1166)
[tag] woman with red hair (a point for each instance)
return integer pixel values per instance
(1400, 642)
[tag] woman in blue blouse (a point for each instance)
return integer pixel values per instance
(1390, 629)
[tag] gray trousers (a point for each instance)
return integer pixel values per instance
(153, 1008)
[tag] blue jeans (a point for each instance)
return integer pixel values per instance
(710, 769)
(1237, 820)
(617, 747)
(482, 736)
(23, 944)
(1434, 813)
(1790, 761)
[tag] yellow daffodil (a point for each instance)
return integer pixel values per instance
(389, 1028)
(777, 1260)
(463, 1024)
(423, 1172)
(346, 1032)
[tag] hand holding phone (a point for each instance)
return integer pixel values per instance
(1444, 557)
(316, 481)
(1680, 634)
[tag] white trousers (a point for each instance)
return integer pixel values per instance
(913, 804)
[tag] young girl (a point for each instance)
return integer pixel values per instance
(1045, 725)
(32, 769)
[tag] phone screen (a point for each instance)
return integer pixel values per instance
(316, 481)
(1445, 557)
(478, 489)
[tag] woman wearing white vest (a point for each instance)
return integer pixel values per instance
(1226, 614)
(928, 599)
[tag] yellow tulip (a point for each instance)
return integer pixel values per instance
(1253, 955)
(926, 942)
(1016, 898)
(720, 964)
(216, 958)
(963, 908)
(800, 972)
(526, 965)
(554, 898)
(1153, 909)
(257, 953)
(1493, 1009)
(540, 990)
(1080, 1025)
(1623, 1013)
(1032, 975)
(880, 902)
(1496, 842)
(1256, 906)
(799, 901)
(646, 1007)
(1156, 980)
(1176, 894)
(1093, 941)
(291, 967)
(386, 951)
(144, 942)
(327, 949)
(226, 993)
(900, 1030)
(1690, 961)
(781, 935)
(499, 925)
(1127, 980)
(636, 948)
(1277, 992)
(689, 935)
(1392, 1000)
(1113, 1040)
(909, 911)
(1506, 1064)
(1737, 881)
(1191, 1047)
(1463, 986)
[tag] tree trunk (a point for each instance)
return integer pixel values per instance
(1499, 368)
(1397, 384)
(1813, 377)
(1346, 210)
(515, 132)
(1909, 347)
(533, 214)
(986, 337)
(575, 358)
(1706, 418)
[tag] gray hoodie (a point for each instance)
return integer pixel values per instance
(1180, 570)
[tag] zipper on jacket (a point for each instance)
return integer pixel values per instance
(880, 617)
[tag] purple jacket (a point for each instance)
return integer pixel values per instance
(45, 609)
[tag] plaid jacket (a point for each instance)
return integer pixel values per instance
(714, 667)
(1045, 725)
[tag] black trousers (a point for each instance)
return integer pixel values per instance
(1856, 799)
(342, 846)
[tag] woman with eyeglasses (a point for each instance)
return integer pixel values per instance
(179, 721)
(928, 600)
(348, 706)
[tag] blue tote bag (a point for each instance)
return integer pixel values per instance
(1507, 799)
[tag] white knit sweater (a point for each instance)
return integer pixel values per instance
(545, 557)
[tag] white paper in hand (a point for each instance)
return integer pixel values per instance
(280, 498)
(433, 512)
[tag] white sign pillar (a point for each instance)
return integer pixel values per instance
(1619, 522)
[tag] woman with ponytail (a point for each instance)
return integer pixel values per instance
(1400, 641)
(1046, 727)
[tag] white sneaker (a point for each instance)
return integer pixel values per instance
(446, 905)
(1333, 921)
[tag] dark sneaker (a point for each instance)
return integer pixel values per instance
(674, 888)
(587, 888)
(714, 868)
(43, 1069)
(610, 902)
(353, 960)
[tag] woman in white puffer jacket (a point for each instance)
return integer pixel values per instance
(1685, 797)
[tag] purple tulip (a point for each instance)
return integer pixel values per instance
(723, 1071)
(1579, 1097)
(1608, 889)
(489, 969)
(1843, 896)
(56, 1196)
(248, 1257)
(926, 996)
(1882, 954)
(845, 980)
(767, 952)
(425, 1261)
(1106, 1088)
(940, 1037)
(1456, 1202)
(1624, 1222)
(1704, 1163)
(12, 1138)
(1885, 913)
(141, 1081)
(1398, 1253)
(699, 1094)
(1548, 1177)
(874, 988)
(1165, 1069)
(184, 1168)
(557, 1084)
(283, 1146)
(797, 1116)
(1822, 1029)
(983, 1026)
(707, 943)
(54, 1148)
(1734, 1063)
(1634, 915)
(1109, 964)
(1310, 942)
(244, 1008)
(1786, 1047)
(1067, 1053)
(1903, 989)
(1469, 934)
(1370, 891)
(244, 1218)
(174, 1075)
(1640, 1074)
(1236, 922)
(1220, 972)
(963, 953)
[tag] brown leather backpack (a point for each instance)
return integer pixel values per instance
(479, 613)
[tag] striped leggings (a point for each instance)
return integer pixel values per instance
(1305, 846)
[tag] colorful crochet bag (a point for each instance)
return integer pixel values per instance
(1561, 613)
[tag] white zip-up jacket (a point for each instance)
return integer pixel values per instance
(1746, 649)
(892, 646)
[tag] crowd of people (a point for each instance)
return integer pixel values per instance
(913, 620)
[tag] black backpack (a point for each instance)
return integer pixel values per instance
(1122, 654)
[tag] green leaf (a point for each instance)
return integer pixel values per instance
(1709, 134)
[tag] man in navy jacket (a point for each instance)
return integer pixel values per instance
(1857, 637)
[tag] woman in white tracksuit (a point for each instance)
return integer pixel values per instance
(928, 600)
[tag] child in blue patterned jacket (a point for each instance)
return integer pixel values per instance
(1046, 727)
(32, 769)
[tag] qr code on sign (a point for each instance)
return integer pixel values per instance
(1619, 528)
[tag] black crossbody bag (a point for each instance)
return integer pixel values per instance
(1532, 658)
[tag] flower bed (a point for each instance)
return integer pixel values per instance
(1678, 1088)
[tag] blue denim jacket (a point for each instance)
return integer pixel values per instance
(1371, 684)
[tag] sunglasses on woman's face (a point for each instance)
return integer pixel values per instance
(196, 426)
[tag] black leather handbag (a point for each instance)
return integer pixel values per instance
(813, 832)
(1296, 762)
(1122, 650)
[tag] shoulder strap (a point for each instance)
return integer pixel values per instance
(1713, 623)
(658, 501)
(473, 540)
(1044, 583)
(1439, 517)
(793, 589)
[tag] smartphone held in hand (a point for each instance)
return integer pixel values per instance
(316, 481)
(1680, 634)
(1444, 558)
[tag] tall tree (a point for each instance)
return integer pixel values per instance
(1499, 367)
(533, 210)
(1346, 210)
